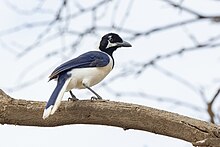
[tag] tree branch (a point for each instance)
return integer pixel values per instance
(210, 104)
(124, 115)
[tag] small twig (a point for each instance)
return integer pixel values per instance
(209, 107)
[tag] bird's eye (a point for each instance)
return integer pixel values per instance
(110, 39)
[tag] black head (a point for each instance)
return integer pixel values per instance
(110, 42)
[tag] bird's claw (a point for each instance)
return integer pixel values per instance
(93, 98)
(73, 99)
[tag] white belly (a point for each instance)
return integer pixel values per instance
(89, 76)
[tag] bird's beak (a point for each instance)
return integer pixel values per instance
(124, 44)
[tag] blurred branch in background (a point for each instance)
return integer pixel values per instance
(61, 25)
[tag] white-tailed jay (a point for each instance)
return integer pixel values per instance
(84, 71)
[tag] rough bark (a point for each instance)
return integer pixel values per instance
(124, 115)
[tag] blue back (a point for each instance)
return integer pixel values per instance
(88, 59)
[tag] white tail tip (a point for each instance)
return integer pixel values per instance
(47, 112)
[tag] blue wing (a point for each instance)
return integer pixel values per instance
(89, 59)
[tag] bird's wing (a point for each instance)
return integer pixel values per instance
(89, 59)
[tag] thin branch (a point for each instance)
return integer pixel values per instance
(127, 13)
(179, 79)
(163, 28)
(89, 9)
(182, 8)
(191, 36)
(209, 107)
(21, 27)
(41, 35)
(39, 41)
(175, 53)
(153, 97)
(36, 9)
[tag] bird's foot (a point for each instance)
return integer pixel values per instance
(73, 99)
(93, 98)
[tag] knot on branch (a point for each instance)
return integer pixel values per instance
(211, 142)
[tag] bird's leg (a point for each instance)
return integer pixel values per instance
(98, 97)
(73, 97)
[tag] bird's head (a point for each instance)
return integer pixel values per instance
(110, 42)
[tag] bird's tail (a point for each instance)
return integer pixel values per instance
(56, 97)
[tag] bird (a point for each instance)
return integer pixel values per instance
(84, 71)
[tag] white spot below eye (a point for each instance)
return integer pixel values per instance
(111, 44)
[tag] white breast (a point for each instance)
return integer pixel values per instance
(89, 76)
